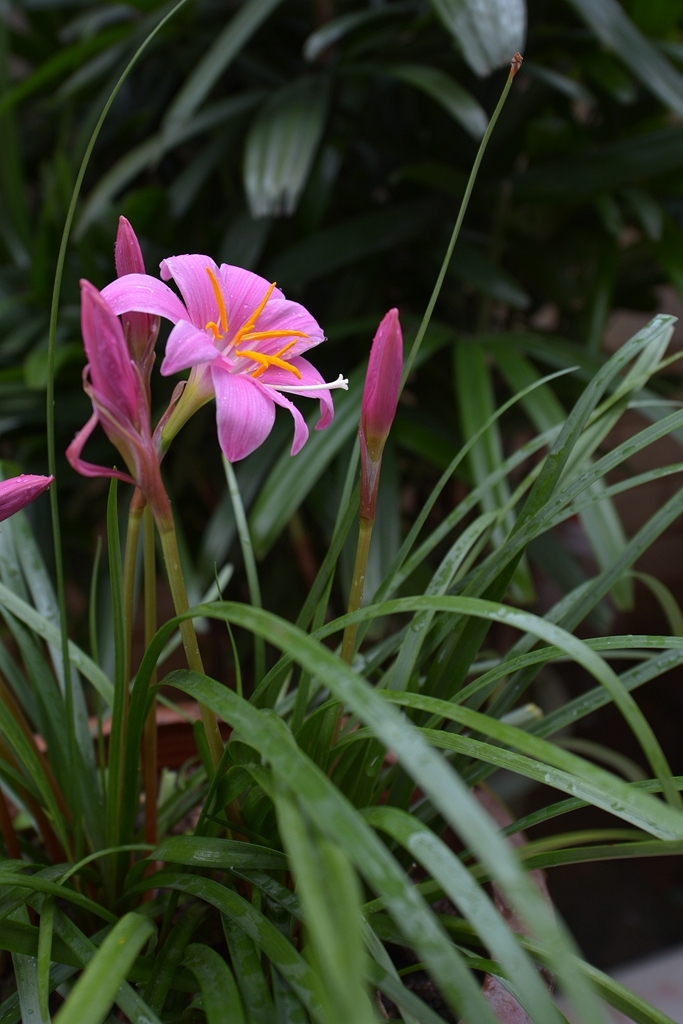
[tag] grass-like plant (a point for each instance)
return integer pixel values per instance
(348, 810)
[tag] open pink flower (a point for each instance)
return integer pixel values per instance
(113, 382)
(243, 342)
(19, 491)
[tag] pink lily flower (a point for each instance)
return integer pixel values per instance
(114, 384)
(243, 342)
(20, 491)
(378, 408)
(141, 329)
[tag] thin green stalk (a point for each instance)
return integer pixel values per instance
(169, 546)
(149, 741)
(357, 585)
(50, 420)
(117, 736)
(249, 565)
(95, 655)
(408, 365)
(47, 920)
(130, 558)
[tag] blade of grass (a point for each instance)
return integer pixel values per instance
(249, 564)
(95, 991)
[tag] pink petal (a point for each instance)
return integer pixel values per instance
(244, 412)
(73, 455)
(283, 315)
(309, 375)
(111, 371)
(144, 294)
(300, 428)
(189, 273)
(243, 292)
(19, 491)
(187, 346)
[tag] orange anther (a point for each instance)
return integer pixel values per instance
(220, 301)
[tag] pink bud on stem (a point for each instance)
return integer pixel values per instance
(20, 491)
(141, 329)
(382, 383)
(380, 395)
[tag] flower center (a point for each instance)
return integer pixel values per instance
(246, 333)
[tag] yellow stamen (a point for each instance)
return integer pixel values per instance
(266, 362)
(254, 335)
(219, 299)
(211, 326)
(246, 327)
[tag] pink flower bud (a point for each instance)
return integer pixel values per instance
(113, 382)
(382, 383)
(19, 491)
(141, 329)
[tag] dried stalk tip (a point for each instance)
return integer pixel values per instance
(515, 64)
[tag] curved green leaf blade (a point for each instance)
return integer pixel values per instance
(616, 31)
(459, 103)
(226, 854)
(281, 146)
(489, 32)
(95, 991)
(236, 33)
(220, 998)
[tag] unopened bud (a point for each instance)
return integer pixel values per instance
(141, 329)
(19, 491)
(380, 395)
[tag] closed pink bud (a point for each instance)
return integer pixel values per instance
(19, 491)
(141, 329)
(380, 395)
(113, 382)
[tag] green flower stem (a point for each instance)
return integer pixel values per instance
(169, 546)
(357, 584)
(408, 364)
(130, 556)
(249, 564)
(149, 741)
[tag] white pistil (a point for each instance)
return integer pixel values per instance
(340, 382)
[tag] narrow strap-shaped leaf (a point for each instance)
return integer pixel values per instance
(47, 920)
(225, 48)
(251, 980)
(281, 145)
(615, 30)
(171, 955)
(220, 998)
(472, 901)
(614, 794)
(459, 103)
(432, 774)
(439, 584)
(47, 631)
(328, 888)
(206, 852)
(94, 992)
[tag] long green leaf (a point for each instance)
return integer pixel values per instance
(220, 998)
(217, 59)
(427, 768)
(281, 146)
(616, 31)
(94, 992)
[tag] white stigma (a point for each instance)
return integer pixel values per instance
(340, 382)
